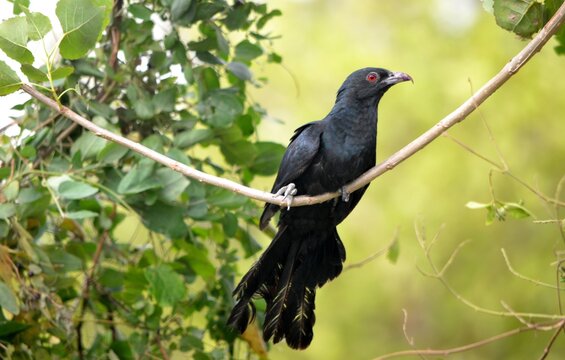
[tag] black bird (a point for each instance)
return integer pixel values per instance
(307, 252)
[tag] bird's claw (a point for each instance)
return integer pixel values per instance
(344, 194)
(288, 193)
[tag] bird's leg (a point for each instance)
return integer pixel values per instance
(288, 193)
(344, 194)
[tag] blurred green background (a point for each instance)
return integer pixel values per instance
(449, 48)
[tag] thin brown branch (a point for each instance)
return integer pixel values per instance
(459, 349)
(162, 350)
(409, 339)
(86, 293)
(547, 349)
(440, 275)
(458, 115)
(517, 274)
(373, 256)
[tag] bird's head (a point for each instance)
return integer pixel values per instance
(369, 84)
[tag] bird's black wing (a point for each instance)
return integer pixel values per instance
(303, 147)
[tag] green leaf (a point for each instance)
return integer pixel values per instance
(81, 214)
(7, 210)
(208, 57)
(111, 153)
(517, 211)
(240, 152)
(139, 179)
(166, 286)
(76, 190)
(140, 11)
(225, 199)
(20, 6)
(89, 145)
(172, 184)
(164, 101)
(229, 224)
(34, 74)
(62, 261)
(492, 214)
(10, 328)
(246, 51)
(207, 80)
(11, 190)
(477, 205)
(248, 242)
(122, 349)
(28, 152)
(38, 25)
(222, 43)
(225, 108)
(266, 18)
(186, 139)
(207, 44)
(29, 195)
(199, 262)
(393, 251)
(13, 39)
(269, 157)
(9, 81)
(82, 22)
(240, 70)
(8, 300)
(164, 219)
(522, 17)
(180, 9)
(62, 72)
(487, 5)
(237, 17)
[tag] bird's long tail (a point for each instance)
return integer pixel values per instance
(287, 276)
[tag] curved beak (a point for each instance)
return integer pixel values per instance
(397, 77)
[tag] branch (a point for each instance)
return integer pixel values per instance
(446, 352)
(534, 281)
(511, 68)
(375, 255)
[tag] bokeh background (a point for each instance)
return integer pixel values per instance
(450, 48)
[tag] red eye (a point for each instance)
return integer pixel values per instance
(372, 77)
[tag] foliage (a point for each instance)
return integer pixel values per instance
(73, 259)
(525, 17)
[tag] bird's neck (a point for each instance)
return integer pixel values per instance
(354, 118)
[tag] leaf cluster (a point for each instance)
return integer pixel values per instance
(526, 17)
(98, 240)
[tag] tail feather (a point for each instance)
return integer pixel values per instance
(259, 279)
(287, 276)
(277, 305)
(299, 317)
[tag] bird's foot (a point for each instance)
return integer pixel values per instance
(344, 194)
(288, 193)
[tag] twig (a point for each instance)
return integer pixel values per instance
(469, 149)
(63, 135)
(561, 226)
(511, 68)
(558, 284)
(86, 292)
(409, 339)
(446, 352)
(504, 170)
(537, 282)
(440, 275)
(552, 341)
(374, 255)
(550, 221)
(162, 350)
